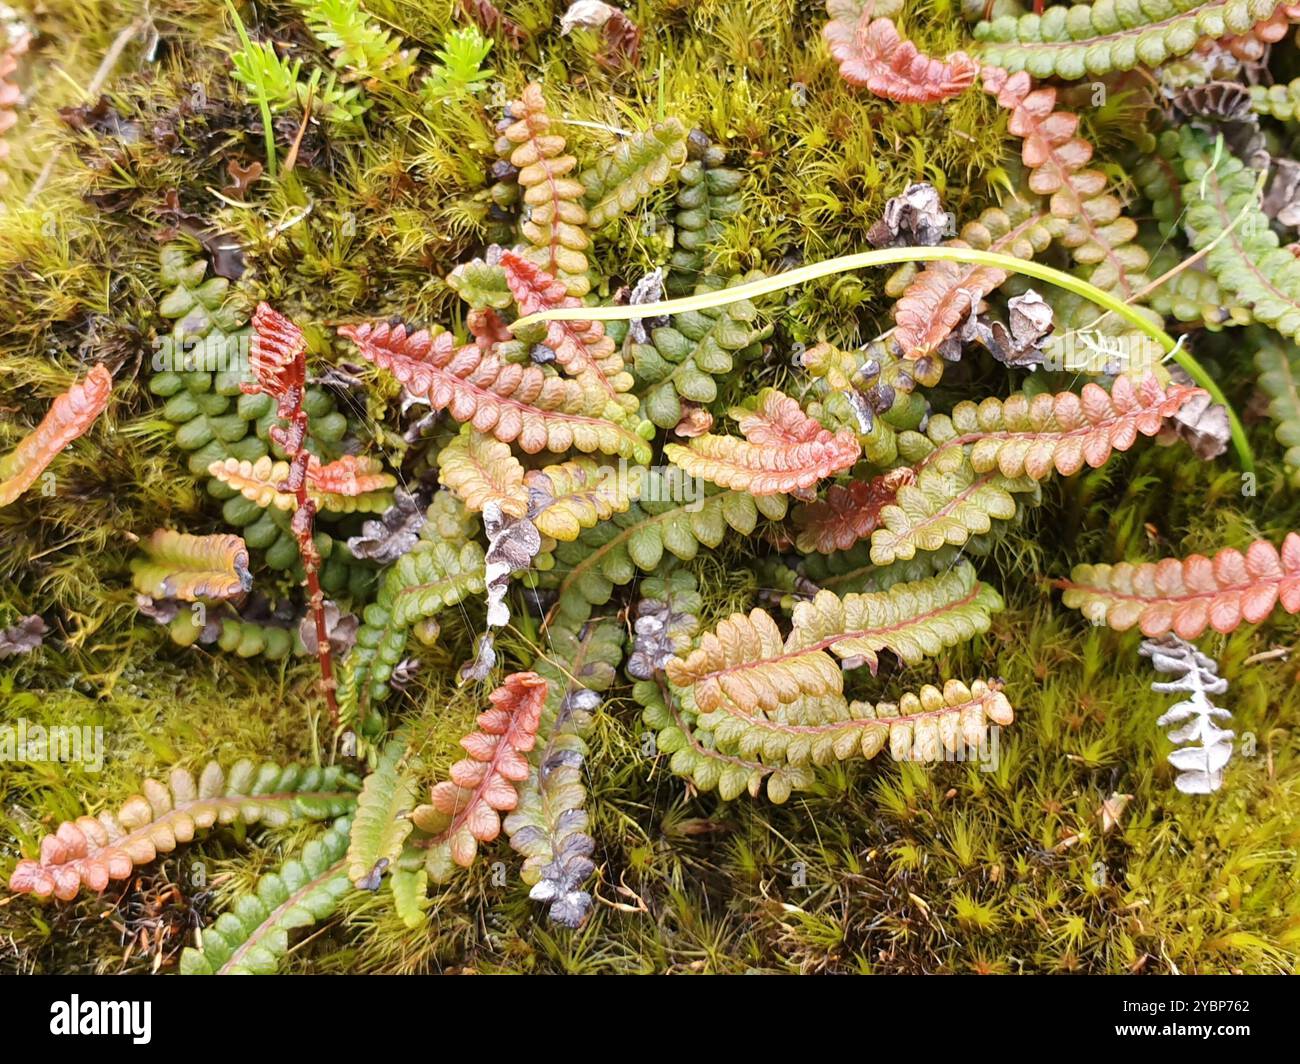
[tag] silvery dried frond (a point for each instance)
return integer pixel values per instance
(404, 673)
(23, 637)
(915, 218)
(650, 289)
(394, 533)
(1019, 342)
(1201, 762)
(562, 879)
(664, 626)
(513, 542)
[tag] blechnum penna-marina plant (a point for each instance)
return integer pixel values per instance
(489, 486)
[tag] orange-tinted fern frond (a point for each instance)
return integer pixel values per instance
(783, 451)
(510, 401)
(466, 809)
(872, 54)
(1187, 596)
(69, 416)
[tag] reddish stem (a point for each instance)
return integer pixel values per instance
(292, 440)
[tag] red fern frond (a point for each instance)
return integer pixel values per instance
(10, 94)
(579, 346)
(1187, 596)
(507, 400)
(848, 514)
(465, 810)
(69, 416)
(276, 352)
(872, 54)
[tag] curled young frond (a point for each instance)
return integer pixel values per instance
(91, 851)
(480, 469)
(784, 451)
(1186, 596)
(69, 416)
(180, 566)
(466, 809)
(510, 401)
(10, 94)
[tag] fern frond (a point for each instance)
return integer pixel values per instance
(1032, 437)
(91, 851)
(381, 822)
(872, 54)
(1279, 379)
(684, 358)
(848, 514)
(465, 810)
(549, 825)
(1252, 269)
(510, 401)
(69, 416)
(783, 451)
(943, 294)
(581, 347)
(252, 937)
(480, 469)
(180, 566)
(947, 504)
(556, 221)
(1187, 596)
(919, 727)
(416, 587)
(746, 661)
(564, 499)
(350, 484)
(708, 196)
(1080, 40)
(611, 554)
(1093, 226)
(636, 167)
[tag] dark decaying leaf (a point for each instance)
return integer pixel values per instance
(23, 637)
(341, 628)
(913, 219)
(1282, 198)
(395, 533)
(1201, 423)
